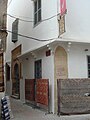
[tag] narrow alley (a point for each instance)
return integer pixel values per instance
(22, 111)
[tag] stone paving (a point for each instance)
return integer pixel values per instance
(24, 112)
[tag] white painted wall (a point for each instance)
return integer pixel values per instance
(47, 73)
(77, 66)
(45, 30)
(77, 21)
(28, 67)
(77, 61)
(27, 73)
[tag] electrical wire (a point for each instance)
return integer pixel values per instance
(29, 37)
(50, 17)
(19, 18)
(33, 21)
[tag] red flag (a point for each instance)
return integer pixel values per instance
(63, 6)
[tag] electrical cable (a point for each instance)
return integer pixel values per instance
(19, 18)
(33, 21)
(29, 37)
(50, 17)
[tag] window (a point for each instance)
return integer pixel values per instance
(37, 11)
(38, 69)
(88, 59)
(15, 31)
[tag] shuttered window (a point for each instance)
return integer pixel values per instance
(38, 69)
(37, 11)
(15, 31)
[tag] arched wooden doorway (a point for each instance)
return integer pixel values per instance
(61, 69)
(16, 72)
(16, 77)
(16, 80)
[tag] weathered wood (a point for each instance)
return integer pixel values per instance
(73, 96)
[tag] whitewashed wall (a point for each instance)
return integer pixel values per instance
(24, 10)
(45, 30)
(27, 73)
(77, 20)
(47, 73)
(77, 61)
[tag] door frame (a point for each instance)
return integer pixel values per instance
(60, 70)
(14, 60)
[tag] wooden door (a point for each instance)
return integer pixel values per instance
(1, 73)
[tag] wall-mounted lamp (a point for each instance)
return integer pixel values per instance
(33, 54)
(68, 46)
(69, 43)
(86, 50)
(48, 46)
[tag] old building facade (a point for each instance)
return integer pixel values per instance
(46, 42)
(3, 34)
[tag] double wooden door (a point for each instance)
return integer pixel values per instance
(1, 73)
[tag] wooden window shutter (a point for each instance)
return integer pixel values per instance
(15, 31)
